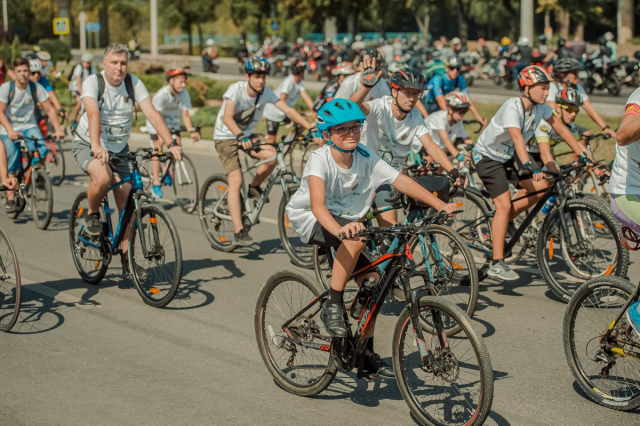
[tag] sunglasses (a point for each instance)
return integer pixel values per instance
(344, 131)
(454, 68)
(570, 109)
(412, 93)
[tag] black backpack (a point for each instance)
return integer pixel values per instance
(128, 84)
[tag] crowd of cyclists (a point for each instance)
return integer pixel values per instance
(378, 109)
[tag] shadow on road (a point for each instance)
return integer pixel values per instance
(579, 391)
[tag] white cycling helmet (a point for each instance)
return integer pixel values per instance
(456, 40)
(395, 66)
(86, 57)
(210, 42)
(523, 41)
(35, 65)
(300, 40)
(43, 55)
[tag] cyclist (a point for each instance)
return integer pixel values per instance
(289, 91)
(19, 101)
(103, 132)
(624, 185)
(243, 105)
(565, 72)
(447, 127)
(209, 54)
(391, 126)
(342, 70)
(45, 66)
(441, 84)
(173, 103)
(79, 74)
(493, 153)
(336, 192)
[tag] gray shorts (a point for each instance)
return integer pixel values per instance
(74, 94)
(381, 193)
(82, 153)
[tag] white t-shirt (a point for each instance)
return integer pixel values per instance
(494, 141)
(544, 133)
(625, 175)
(389, 138)
(116, 111)
(170, 108)
(237, 92)
(79, 70)
(292, 90)
(439, 120)
(20, 111)
(349, 192)
(554, 88)
(351, 85)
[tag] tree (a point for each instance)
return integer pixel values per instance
(188, 13)
(422, 12)
(464, 9)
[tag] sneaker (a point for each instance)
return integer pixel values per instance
(375, 366)
(168, 180)
(256, 192)
(93, 225)
(242, 238)
(502, 271)
(11, 206)
(157, 191)
(633, 317)
(333, 318)
(140, 271)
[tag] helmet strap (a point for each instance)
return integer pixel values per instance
(346, 151)
(395, 98)
(252, 88)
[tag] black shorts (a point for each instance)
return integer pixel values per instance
(496, 175)
(175, 134)
(326, 240)
(272, 126)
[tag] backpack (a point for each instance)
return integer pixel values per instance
(34, 94)
(70, 75)
(128, 84)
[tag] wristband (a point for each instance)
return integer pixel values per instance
(606, 127)
(460, 156)
(241, 137)
(454, 173)
(172, 144)
(192, 130)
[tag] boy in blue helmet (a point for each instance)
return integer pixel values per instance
(337, 189)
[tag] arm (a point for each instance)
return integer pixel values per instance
(445, 139)
(186, 118)
(476, 114)
(293, 115)
(441, 102)
(54, 100)
(317, 194)
(79, 83)
(436, 152)
(593, 114)
(564, 132)
(158, 123)
(423, 110)
(307, 99)
(53, 116)
(519, 144)
(547, 156)
(628, 133)
(227, 118)
(93, 115)
(4, 121)
(360, 96)
(9, 183)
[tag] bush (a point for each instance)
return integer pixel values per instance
(16, 50)
(5, 53)
(196, 97)
(59, 51)
(153, 82)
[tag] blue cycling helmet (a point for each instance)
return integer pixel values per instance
(257, 64)
(339, 111)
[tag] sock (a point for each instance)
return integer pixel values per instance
(335, 297)
(494, 261)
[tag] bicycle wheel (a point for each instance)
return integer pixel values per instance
(298, 369)
(322, 269)
(145, 169)
(608, 378)
(162, 264)
(475, 231)
(86, 252)
(456, 387)
(300, 253)
(55, 165)
(299, 154)
(455, 277)
(10, 284)
(41, 197)
(566, 261)
(185, 184)
(213, 202)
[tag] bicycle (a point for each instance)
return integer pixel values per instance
(602, 350)
(54, 163)
(179, 174)
(214, 212)
(439, 251)
(443, 379)
(10, 279)
(152, 231)
(38, 190)
(574, 241)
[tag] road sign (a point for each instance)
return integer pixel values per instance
(61, 26)
(93, 27)
(275, 26)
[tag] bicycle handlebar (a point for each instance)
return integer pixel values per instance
(474, 122)
(131, 156)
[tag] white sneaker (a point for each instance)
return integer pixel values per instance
(502, 271)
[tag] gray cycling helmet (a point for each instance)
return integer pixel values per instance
(569, 96)
(566, 65)
(257, 64)
(452, 62)
(410, 78)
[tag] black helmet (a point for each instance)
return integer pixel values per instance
(372, 53)
(566, 65)
(561, 42)
(298, 67)
(602, 41)
(257, 64)
(570, 97)
(410, 78)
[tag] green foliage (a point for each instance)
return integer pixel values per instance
(60, 52)
(16, 50)
(153, 82)
(5, 53)
(196, 98)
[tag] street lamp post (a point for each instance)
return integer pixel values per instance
(5, 16)
(526, 19)
(154, 28)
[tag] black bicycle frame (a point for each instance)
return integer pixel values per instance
(620, 347)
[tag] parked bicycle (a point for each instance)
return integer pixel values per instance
(154, 255)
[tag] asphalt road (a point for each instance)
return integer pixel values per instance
(97, 355)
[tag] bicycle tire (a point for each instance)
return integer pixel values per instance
(221, 241)
(544, 251)
(300, 253)
(478, 235)
(79, 249)
(148, 288)
(400, 358)
(261, 318)
(189, 202)
(8, 319)
(470, 281)
(573, 352)
(41, 215)
(55, 165)
(145, 169)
